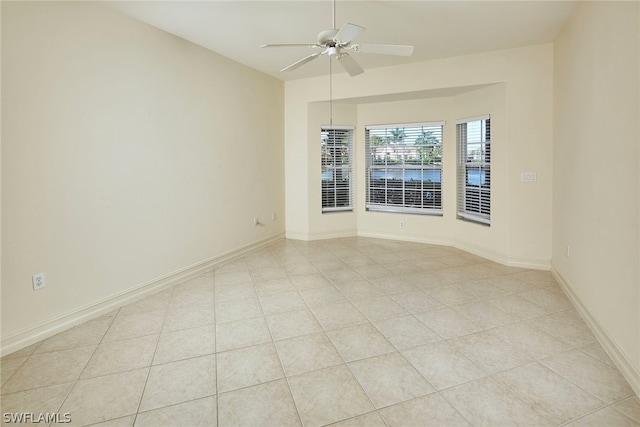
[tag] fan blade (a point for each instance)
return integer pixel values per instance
(291, 45)
(302, 62)
(384, 49)
(350, 64)
(347, 33)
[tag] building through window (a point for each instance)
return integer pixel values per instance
(404, 168)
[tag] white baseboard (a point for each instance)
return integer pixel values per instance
(49, 328)
(532, 263)
(619, 357)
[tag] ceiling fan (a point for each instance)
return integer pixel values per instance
(335, 42)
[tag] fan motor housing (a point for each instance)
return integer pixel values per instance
(325, 38)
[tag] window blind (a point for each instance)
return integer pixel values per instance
(337, 168)
(404, 167)
(474, 169)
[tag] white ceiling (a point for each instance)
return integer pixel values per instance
(437, 29)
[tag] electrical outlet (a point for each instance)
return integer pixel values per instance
(256, 221)
(38, 281)
(273, 216)
(401, 224)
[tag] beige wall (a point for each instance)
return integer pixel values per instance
(596, 173)
(515, 86)
(127, 155)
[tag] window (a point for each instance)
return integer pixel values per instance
(474, 169)
(337, 165)
(404, 168)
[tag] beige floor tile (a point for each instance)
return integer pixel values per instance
(357, 260)
(604, 417)
(178, 382)
(345, 274)
(247, 366)
(512, 284)
(361, 290)
(372, 419)
(225, 277)
(393, 284)
(267, 273)
(120, 356)
(327, 295)
(596, 351)
(103, 398)
(233, 291)
(36, 401)
(9, 366)
(451, 295)
(380, 308)
(329, 395)
(431, 410)
(242, 333)
(117, 422)
(46, 369)
(338, 316)
(442, 365)
(485, 314)
(194, 292)
(538, 278)
(567, 326)
(85, 334)
(416, 301)
(486, 402)
(268, 405)
(235, 266)
(282, 302)
(489, 352)
(196, 413)
(186, 317)
(307, 353)
(428, 280)
(448, 323)
(185, 344)
(548, 393)
(601, 380)
(630, 407)
(373, 271)
(389, 379)
(482, 289)
(135, 325)
(532, 342)
(309, 281)
(434, 309)
(273, 286)
(458, 259)
(552, 298)
(406, 331)
(24, 352)
(359, 342)
(300, 268)
(518, 307)
(238, 309)
(156, 301)
(292, 324)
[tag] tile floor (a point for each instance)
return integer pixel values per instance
(357, 332)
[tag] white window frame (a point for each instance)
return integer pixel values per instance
(336, 197)
(474, 155)
(403, 160)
